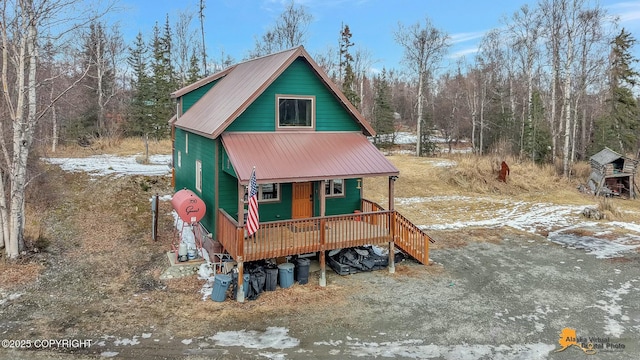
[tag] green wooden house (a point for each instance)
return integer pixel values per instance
(283, 115)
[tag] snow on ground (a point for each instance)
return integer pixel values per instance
(558, 222)
(101, 165)
(407, 138)
(272, 338)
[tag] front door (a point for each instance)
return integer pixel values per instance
(302, 206)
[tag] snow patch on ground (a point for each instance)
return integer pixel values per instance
(614, 313)
(272, 338)
(415, 349)
(556, 222)
(102, 165)
(5, 298)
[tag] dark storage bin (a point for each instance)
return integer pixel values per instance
(302, 270)
(271, 281)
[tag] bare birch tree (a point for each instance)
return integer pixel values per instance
(424, 47)
(21, 27)
(290, 30)
(525, 34)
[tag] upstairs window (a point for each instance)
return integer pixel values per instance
(296, 112)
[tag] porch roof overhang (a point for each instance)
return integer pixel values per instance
(304, 156)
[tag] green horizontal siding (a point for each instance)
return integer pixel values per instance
(192, 97)
(203, 149)
(340, 205)
(298, 79)
(228, 192)
(268, 211)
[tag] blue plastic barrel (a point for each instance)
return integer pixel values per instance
(285, 272)
(220, 285)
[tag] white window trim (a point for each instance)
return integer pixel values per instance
(302, 97)
(260, 199)
(179, 159)
(199, 175)
(186, 143)
(331, 193)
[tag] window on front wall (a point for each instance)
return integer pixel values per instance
(199, 175)
(266, 192)
(333, 188)
(179, 159)
(186, 143)
(295, 112)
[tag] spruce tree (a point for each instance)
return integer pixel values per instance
(348, 76)
(163, 81)
(193, 74)
(382, 111)
(619, 128)
(537, 135)
(140, 109)
(97, 85)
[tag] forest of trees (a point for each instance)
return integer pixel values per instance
(556, 82)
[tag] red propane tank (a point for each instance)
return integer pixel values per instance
(189, 206)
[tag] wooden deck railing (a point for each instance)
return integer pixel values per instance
(227, 233)
(408, 236)
(412, 239)
(370, 206)
(290, 237)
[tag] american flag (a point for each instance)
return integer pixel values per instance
(253, 219)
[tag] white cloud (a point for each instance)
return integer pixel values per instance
(467, 36)
(628, 12)
(464, 52)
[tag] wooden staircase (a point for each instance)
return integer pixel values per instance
(411, 239)
(407, 236)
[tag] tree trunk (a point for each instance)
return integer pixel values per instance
(566, 104)
(54, 122)
(100, 62)
(4, 225)
(419, 125)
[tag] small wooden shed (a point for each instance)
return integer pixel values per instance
(613, 174)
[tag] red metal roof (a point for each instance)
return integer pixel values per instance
(240, 85)
(304, 156)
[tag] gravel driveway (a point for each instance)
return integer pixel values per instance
(507, 299)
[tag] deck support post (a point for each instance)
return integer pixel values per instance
(240, 244)
(392, 225)
(240, 286)
(323, 261)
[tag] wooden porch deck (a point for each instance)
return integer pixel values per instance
(290, 237)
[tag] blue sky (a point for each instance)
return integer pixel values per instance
(232, 25)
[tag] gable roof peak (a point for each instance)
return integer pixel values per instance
(240, 84)
(219, 74)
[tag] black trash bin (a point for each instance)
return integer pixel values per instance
(271, 281)
(302, 270)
